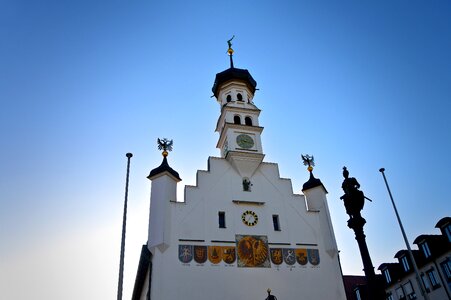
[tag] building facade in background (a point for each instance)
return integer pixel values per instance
(241, 230)
(433, 259)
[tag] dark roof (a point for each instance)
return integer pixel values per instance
(312, 182)
(231, 74)
(143, 266)
(438, 245)
(164, 167)
(351, 282)
(443, 222)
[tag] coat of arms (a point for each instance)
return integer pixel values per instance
(313, 256)
(301, 256)
(253, 251)
(200, 254)
(276, 256)
(215, 254)
(228, 255)
(185, 253)
(289, 257)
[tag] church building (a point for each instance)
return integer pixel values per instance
(240, 232)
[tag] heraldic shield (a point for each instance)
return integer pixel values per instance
(215, 254)
(289, 256)
(276, 256)
(200, 254)
(252, 251)
(228, 254)
(185, 253)
(301, 256)
(313, 256)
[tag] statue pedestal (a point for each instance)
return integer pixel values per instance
(374, 292)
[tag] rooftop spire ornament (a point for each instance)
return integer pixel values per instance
(230, 51)
(308, 161)
(165, 145)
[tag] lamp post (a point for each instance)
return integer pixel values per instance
(417, 274)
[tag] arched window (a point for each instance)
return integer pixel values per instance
(237, 119)
(229, 98)
(239, 97)
(248, 121)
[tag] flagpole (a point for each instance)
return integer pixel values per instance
(419, 281)
(124, 221)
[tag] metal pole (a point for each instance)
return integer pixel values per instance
(124, 221)
(419, 281)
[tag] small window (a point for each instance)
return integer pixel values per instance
(408, 289)
(446, 267)
(229, 98)
(400, 293)
(424, 246)
(405, 263)
(357, 294)
(248, 121)
(447, 231)
(387, 276)
(221, 216)
(237, 120)
(275, 221)
(425, 283)
(239, 97)
(433, 279)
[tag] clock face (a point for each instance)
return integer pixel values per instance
(249, 218)
(245, 141)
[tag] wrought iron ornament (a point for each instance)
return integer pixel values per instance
(308, 161)
(165, 145)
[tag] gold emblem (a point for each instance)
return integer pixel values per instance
(215, 254)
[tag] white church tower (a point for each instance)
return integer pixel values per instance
(240, 230)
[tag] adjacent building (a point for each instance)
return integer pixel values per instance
(433, 259)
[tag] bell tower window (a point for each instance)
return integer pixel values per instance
(239, 97)
(236, 119)
(248, 121)
(229, 98)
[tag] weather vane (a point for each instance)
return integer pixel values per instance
(308, 161)
(165, 145)
(230, 51)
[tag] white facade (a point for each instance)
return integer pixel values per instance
(241, 206)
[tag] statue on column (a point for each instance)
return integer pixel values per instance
(353, 199)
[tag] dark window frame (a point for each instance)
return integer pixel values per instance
(221, 219)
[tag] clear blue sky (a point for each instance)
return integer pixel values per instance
(362, 84)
